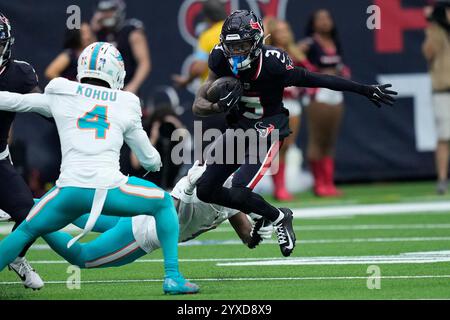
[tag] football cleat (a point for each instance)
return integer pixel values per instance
(27, 274)
(179, 285)
(285, 232)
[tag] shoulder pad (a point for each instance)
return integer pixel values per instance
(134, 23)
(60, 86)
(277, 60)
(30, 78)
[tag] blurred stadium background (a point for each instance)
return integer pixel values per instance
(391, 146)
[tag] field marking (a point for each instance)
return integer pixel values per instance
(340, 227)
(349, 260)
(121, 281)
(234, 242)
(339, 211)
(407, 257)
(334, 227)
(372, 209)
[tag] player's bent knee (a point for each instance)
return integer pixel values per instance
(240, 195)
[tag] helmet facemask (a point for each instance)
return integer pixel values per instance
(6, 41)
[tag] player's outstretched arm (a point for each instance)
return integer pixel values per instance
(378, 94)
(31, 102)
(202, 107)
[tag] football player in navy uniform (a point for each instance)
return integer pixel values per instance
(255, 103)
(15, 197)
(128, 36)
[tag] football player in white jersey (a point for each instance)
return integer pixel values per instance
(94, 117)
(120, 236)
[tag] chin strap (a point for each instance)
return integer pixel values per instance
(236, 61)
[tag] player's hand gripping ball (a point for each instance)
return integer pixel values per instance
(226, 92)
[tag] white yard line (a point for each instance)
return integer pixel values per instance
(341, 227)
(408, 257)
(447, 276)
(372, 209)
(235, 242)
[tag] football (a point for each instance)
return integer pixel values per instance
(213, 93)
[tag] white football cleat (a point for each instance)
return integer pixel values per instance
(27, 274)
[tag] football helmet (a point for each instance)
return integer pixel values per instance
(6, 40)
(242, 39)
(102, 61)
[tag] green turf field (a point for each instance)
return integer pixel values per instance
(331, 260)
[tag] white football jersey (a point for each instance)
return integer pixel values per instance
(195, 217)
(92, 123)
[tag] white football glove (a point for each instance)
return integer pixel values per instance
(193, 175)
(266, 231)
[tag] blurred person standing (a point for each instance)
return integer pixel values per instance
(128, 36)
(322, 48)
(215, 14)
(65, 64)
(280, 35)
(436, 50)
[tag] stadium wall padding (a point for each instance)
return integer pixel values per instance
(374, 144)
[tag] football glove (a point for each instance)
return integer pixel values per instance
(229, 99)
(193, 175)
(262, 229)
(379, 94)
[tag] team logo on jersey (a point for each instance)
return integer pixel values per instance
(264, 130)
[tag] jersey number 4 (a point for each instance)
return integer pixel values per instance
(95, 119)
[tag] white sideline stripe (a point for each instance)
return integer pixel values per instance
(244, 279)
(424, 254)
(372, 209)
(6, 229)
(234, 242)
(356, 227)
(390, 259)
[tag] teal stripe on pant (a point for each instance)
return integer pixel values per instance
(70, 203)
(107, 250)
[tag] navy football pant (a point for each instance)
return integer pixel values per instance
(248, 164)
(15, 196)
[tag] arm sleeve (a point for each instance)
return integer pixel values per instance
(136, 138)
(300, 77)
(32, 102)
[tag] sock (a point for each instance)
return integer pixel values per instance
(13, 244)
(167, 229)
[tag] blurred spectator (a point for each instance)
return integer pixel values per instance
(128, 36)
(322, 48)
(162, 122)
(215, 14)
(279, 34)
(436, 50)
(65, 64)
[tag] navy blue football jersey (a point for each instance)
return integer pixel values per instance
(263, 82)
(18, 77)
(121, 40)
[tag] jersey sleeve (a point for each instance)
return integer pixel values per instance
(218, 63)
(136, 138)
(30, 78)
(31, 102)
